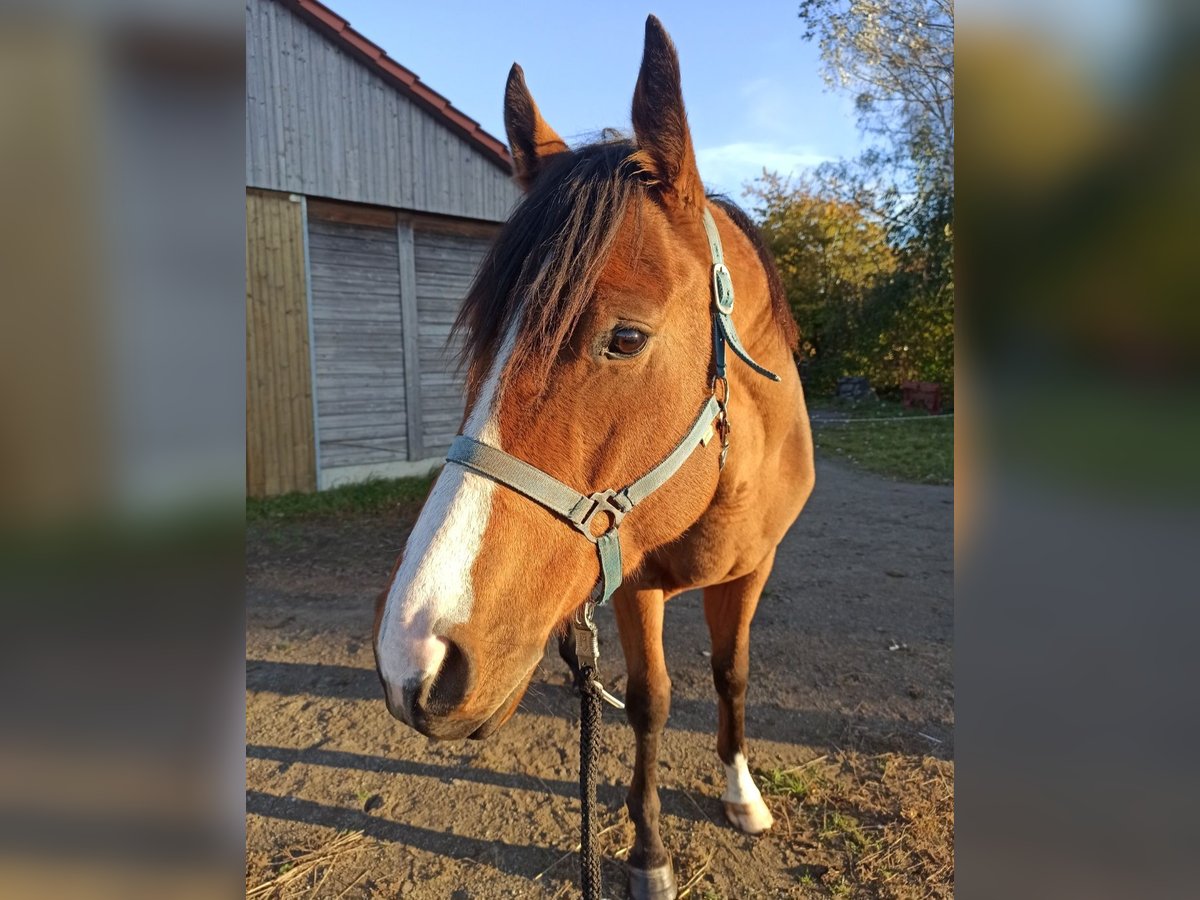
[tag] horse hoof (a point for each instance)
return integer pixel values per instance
(752, 818)
(652, 884)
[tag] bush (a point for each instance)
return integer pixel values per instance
(868, 300)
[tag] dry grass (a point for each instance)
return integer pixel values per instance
(690, 885)
(871, 825)
(302, 873)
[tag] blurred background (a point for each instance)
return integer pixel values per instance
(122, 399)
(1067, 248)
(1076, 488)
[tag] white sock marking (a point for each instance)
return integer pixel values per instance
(739, 785)
(743, 803)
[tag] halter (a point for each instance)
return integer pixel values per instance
(579, 510)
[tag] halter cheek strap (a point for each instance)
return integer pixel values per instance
(578, 509)
(722, 287)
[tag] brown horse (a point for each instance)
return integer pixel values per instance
(589, 339)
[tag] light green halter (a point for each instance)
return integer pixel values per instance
(577, 509)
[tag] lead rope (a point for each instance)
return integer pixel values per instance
(587, 652)
(589, 726)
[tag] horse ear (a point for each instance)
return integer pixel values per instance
(530, 140)
(660, 125)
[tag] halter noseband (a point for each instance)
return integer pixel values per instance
(577, 509)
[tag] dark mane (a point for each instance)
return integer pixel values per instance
(552, 250)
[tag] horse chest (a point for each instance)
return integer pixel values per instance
(726, 543)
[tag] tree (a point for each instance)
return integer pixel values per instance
(865, 306)
(830, 256)
(897, 57)
(866, 245)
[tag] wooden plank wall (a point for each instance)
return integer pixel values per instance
(446, 263)
(412, 328)
(320, 123)
(358, 337)
(280, 451)
(382, 291)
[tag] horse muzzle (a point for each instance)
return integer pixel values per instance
(436, 705)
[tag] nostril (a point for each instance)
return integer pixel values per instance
(446, 690)
(426, 654)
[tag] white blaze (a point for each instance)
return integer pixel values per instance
(433, 585)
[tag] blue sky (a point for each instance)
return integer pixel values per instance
(752, 86)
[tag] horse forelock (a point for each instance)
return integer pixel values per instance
(543, 267)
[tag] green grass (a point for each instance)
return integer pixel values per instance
(841, 888)
(863, 409)
(795, 782)
(889, 440)
(843, 828)
(371, 497)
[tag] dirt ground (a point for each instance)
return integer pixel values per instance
(849, 718)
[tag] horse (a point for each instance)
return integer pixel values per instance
(590, 339)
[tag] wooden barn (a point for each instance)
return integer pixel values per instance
(370, 202)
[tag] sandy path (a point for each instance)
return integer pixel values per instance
(868, 567)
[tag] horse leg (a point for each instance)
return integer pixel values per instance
(728, 608)
(647, 703)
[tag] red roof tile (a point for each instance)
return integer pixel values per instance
(404, 80)
(356, 40)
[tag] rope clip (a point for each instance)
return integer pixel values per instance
(723, 418)
(587, 651)
(587, 643)
(608, 698)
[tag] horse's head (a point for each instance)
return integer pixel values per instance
(588, 336)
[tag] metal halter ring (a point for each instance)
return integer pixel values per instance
(722, 286)
(614, 503)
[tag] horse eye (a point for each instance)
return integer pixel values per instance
(627, 342)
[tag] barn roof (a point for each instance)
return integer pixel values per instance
(404, 80)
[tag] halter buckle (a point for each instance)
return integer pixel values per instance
(614, 503)
(722, 286)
